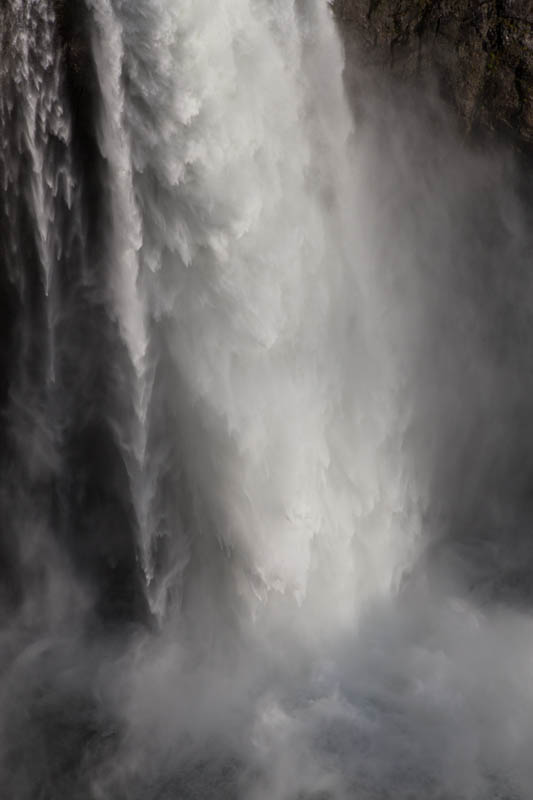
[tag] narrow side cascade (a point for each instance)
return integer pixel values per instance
(41, 231)
(123, 273)
(63, 406)
(36, 163)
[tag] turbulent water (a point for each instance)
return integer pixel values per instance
(266, 457)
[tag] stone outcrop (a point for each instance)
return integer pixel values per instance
(480, 54)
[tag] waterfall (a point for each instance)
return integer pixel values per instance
(32, 107)
(42, 234)
(265, 392)
(227, 137)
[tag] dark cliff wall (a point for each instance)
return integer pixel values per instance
(480, 53)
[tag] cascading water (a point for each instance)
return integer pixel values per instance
(237, 469)
(41, 232)
(240, 187)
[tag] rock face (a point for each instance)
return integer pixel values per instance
(480, 53)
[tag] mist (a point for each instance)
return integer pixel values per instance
(266, 472)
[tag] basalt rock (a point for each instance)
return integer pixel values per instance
(479, 53)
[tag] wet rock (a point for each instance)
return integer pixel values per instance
(479, 53)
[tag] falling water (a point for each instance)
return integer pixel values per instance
(31, 105)
(257, 457)
(236, 201)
